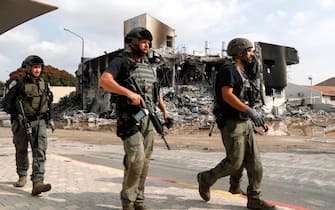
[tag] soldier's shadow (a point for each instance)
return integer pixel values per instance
(7, 186)
(158, 196)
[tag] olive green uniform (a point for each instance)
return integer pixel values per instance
(236, 126)
(36, 99)
(237, 135)
(137, 136)
(241, 150)
(38, 144)
(138, 149)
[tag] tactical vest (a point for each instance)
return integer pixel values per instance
(31, 98)
(144, 76)
(248, 93)
(246, 88)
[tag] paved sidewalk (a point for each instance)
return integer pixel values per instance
(86, 186)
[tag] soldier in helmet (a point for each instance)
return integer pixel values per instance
(235, 114)
(137, 135)
(28, 102)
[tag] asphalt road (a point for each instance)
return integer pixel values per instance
(304, 178)
(300, 178)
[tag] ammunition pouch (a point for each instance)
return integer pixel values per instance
(126, 126)
(140, 115)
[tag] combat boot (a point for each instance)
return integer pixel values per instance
(259, 204)
(235, 180)
(203, 188)
(39, 187)
(141, 207)
(21, 181)
(236, 189)
(128, 206)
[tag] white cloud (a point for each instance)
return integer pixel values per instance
(16, 39)
(4, 61)
(315, 49)
(300, 18)
(203, 18)
(307, 27)
(327, 4)
(295, 32)
(277, 15)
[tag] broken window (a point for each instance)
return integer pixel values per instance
(169, 41)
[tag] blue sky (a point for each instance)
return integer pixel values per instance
(307, 25)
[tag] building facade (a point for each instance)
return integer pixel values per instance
(164, 35)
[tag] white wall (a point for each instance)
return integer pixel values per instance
(60, 91)
(298, 92)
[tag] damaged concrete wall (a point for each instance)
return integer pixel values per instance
(273, 60)
(176, 70)
(187, 82)
(164, 34)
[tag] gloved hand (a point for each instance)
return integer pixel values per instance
(52, 125)
(255, 117)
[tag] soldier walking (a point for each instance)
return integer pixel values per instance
(234, 113)
(133, 126)
(29, 102)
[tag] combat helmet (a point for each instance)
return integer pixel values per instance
(136, 34)
(238, 45)
(32, 60)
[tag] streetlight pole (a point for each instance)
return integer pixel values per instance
(311, 94)
(81, 67)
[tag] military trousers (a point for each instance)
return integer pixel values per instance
(241, 151)
(38, 143)
(138, 149)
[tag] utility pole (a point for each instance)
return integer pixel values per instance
(311, 94)
(81, 67)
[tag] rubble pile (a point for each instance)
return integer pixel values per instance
(304, 121)
(191, 108)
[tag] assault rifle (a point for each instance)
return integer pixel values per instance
(24, 122)
(150, 111)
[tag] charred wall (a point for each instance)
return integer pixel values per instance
(275, 58)
(178, 69)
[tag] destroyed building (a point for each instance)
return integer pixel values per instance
(188, 79)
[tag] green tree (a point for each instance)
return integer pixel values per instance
(51, 74)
